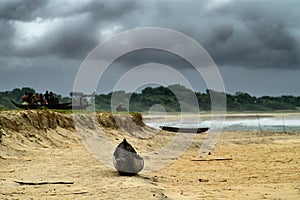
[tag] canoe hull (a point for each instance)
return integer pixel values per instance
(128, 166)
(126, 160)
(60, 106)
(184, 130)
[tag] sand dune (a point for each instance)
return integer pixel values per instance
(42, 146)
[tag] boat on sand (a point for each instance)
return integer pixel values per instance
(126, 160)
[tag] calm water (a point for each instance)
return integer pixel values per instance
(276, 124)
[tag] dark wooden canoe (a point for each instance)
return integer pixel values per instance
(184, 130)
(126, 160)
(62, 106)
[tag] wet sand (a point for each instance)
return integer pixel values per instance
(243, 165)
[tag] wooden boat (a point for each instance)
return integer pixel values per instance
(60, 106)
(126, 160)
(63, 106)
(184, 130)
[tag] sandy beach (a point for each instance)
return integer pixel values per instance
(44, 148)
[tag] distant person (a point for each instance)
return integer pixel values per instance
(34, 99)
(52, 98)
(51, 101)
(46, 95)
(42, 100)
(121, 108)
(29, 97)
(25, 99)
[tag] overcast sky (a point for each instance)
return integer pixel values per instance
(255, 43)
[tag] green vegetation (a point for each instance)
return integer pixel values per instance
(165, 96)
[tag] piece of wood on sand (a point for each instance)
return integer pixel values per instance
(43, 183)
(212, 159)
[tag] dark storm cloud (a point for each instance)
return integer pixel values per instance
(256, 34)
(76, 36)
(74, 28)
(6, 40)
(222, 33)
(253, 34)
(265, 35)
(68, 40)
(30, 9)
(20, 10)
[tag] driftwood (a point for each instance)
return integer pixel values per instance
(10, 171)
(43, 183)
(55, 194)
(213, 159)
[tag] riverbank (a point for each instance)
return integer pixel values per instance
(45, 147)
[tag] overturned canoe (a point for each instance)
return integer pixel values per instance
(126, 160)
(184, 130)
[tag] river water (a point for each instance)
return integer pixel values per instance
(275, 123)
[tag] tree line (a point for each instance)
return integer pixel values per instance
(173, 98)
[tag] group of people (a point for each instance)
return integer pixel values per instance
(39, 99)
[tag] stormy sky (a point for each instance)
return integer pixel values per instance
(254, 43)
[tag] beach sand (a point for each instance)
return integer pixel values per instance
(41, 147)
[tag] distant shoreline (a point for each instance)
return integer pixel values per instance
(230, 115)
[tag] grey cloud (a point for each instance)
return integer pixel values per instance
(67, 40)
(112, 11)
(6, 39)
(254, 34)
(20, 10)
(29, 10)
(273, 36)
(222, 33)
(79, 31)
(263, 35)
(98, 10)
